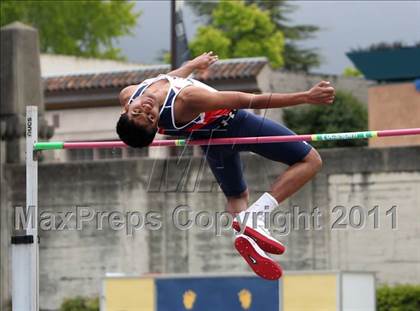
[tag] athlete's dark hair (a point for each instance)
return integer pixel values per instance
(133, 134)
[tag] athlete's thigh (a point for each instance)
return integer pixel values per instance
(286, 152)
(226, 165)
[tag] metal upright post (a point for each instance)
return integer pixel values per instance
(25, 250)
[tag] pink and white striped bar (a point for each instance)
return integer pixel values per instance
(230, 141)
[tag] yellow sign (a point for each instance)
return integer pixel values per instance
(130, 294)
(315, 292)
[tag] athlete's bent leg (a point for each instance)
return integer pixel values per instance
(296, 176)
(286, 184)
(304, 162)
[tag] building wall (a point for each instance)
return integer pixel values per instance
(394, 106)
(74, 261)
(54, 65)
(87, 124)
(84, 123)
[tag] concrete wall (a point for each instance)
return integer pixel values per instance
(5, 233)
(20, 85)
(283, 81)
(73, 261)
(394, 106)
(287, 82)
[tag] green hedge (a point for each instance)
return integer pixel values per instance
(398, 298)
(80, 304)
(347, 114)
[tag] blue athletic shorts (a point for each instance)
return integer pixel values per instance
(225, 161)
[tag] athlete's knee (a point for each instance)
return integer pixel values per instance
(237, 203)
(242, 196)
(314, 159)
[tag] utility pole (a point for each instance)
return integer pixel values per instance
(173, 35)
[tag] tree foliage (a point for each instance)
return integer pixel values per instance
(81, 28)
(347, 114)
(239, 30)
(80, 304)
(398, 298)
(352, 72)
(210, 38)
(385, 46)
(295, 57)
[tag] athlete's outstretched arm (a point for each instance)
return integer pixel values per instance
(199, 63)
(202, 100)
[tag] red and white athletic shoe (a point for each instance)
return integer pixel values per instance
(259, 262)
(259, 234)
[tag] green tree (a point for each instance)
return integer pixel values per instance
(210, 38)
(400, 297)
(295, 57)
(347, 114)
(352, 72)
(239, 30)
(80, 304)
(82, 28)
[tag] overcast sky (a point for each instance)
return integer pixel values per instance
(344, 25)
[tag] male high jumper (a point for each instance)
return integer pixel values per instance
(176, 105)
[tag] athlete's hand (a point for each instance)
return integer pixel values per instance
(322, 93)
(204, 60)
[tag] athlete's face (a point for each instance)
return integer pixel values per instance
(144, 111)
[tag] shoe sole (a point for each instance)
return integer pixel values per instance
(262, 265)
(266, 244)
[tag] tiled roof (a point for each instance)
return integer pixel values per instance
(240, 68)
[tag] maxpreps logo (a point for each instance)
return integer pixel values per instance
(29, 127)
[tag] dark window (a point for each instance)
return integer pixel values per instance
(112, 153)
(80, 154)
(184, 151)
(56, 120)
(137, 152)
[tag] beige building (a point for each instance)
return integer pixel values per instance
(394, 106)
(394, 101)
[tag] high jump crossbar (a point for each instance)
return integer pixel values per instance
(25, 247)
(228, 141)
